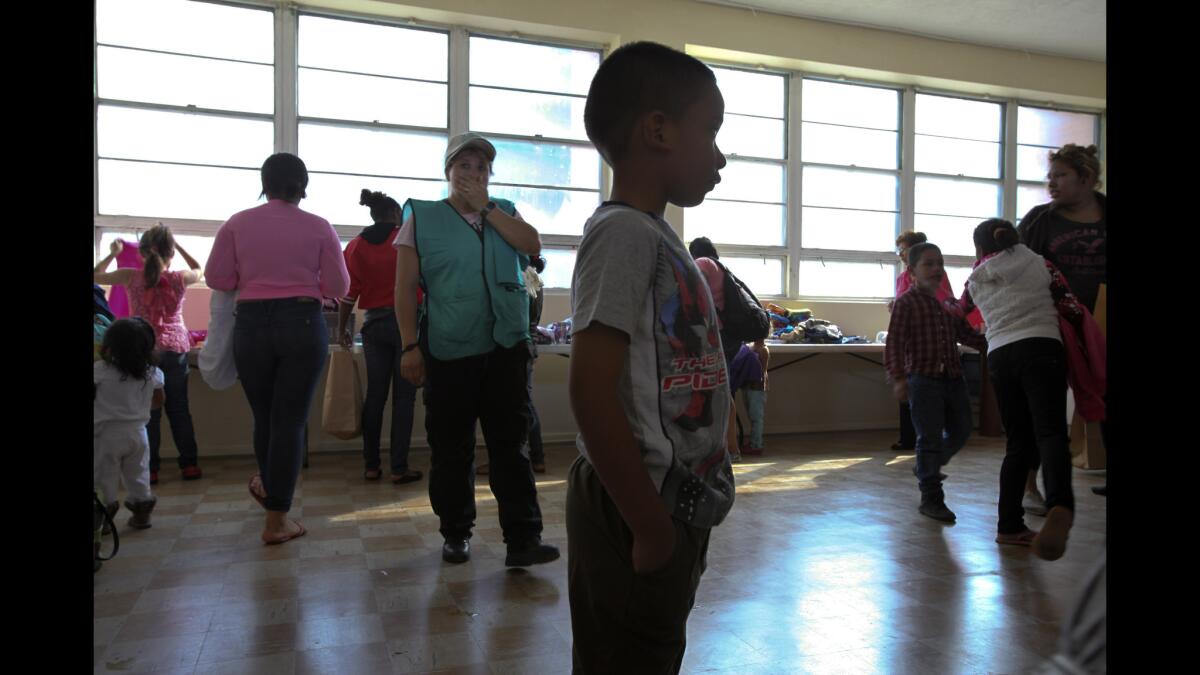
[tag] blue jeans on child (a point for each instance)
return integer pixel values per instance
(941, 414)
(175, 390)
(280, 348)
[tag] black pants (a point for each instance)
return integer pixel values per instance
(1030, 379)
(490, 388)
(175, 374)
(622, 621)
(536, 452)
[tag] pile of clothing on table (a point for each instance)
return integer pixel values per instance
(798, 326)
(557, 333)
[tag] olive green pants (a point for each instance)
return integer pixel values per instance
(623, 622)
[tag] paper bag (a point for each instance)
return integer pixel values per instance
(341, 415)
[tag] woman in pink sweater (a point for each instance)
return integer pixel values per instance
(282, 261)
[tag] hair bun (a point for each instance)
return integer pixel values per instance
(1091, 150)
(364, 197)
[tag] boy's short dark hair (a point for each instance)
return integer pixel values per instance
(915, 252)
(702, 247)
(633, 80)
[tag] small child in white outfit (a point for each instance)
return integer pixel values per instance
(127, 385)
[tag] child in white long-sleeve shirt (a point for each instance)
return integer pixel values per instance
(127, 385)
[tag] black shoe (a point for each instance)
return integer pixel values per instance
(532, 553)
(1101, 490)
(934, 506)
(140, 520)
(456, 550)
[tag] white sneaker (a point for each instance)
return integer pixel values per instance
(1034, 504)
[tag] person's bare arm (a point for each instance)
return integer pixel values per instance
(598, 355)
(345, 307)
(194, 272)
(408, 272)
(100, 276)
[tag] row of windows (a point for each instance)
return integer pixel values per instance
(371, 105)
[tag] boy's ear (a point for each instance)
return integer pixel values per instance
(656, 132)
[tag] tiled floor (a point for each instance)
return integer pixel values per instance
(823, 566)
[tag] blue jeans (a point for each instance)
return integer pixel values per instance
(381, 349)
(280, 348)
(175, 388)
(941, 414)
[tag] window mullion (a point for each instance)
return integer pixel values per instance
(794, 212)
(908, 149)
(459, 85)
(286, 101)
(1009, 168)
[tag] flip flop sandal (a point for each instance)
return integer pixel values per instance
(261, 500)
(406, 477)
(1017, 539)
(373, 474)
(287, 537)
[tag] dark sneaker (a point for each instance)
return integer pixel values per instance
(192, 472)
(935, 507)
(532, 553)
(140, 519)
(456, 550)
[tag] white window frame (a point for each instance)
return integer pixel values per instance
(793, 253)
(287, 120)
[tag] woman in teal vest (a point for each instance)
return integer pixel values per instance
(468, 343)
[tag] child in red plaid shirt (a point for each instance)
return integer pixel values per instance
(924, 366)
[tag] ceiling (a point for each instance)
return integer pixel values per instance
(1071, 28)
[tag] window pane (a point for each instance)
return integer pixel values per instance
(370, 48)
(849, 189)
(848, 230)
(519, 113)
(850, 105)
(371, 99)
(188, 28)
(751, 181)
(749, 93)
(846, 280)
(958, 278)
(735, 223)
(197, 246)
(546, 164)
(184, 80)
(829, 144)
(957, 157)
(947, 196)
(752, 136)
(1033, 162)
(129, 133)
(763, 275)
(1055, 128)
(959, 118)
(372, 151)
(952, 235)
(551, 211)
(560, 266)
(521, 65)
(335, 197)
(170, 191)
(1029, 196)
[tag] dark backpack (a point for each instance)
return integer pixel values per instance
(744, 318)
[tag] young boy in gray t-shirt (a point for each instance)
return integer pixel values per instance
(648, 380)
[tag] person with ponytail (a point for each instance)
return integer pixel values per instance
(1021, 296)
(371, 261)
(156, 294)
(1071, 231)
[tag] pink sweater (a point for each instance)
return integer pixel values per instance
(277, 251)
